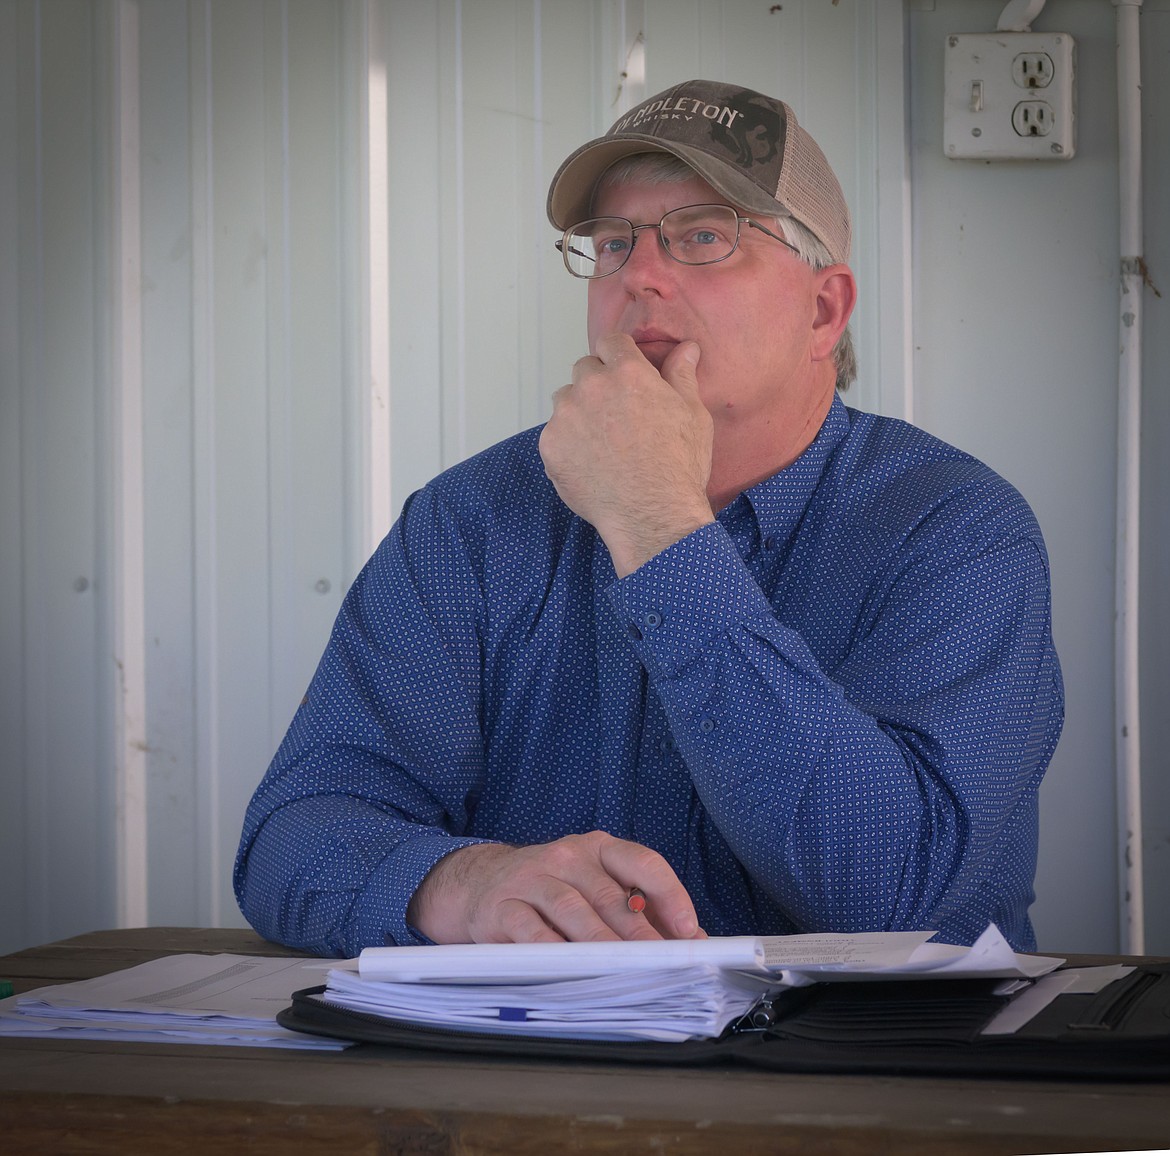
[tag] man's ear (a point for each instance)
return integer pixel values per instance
(836, 296)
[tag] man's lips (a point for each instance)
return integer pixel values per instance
(654, 344)
(653, 336)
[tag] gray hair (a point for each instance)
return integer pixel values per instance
(667, 169)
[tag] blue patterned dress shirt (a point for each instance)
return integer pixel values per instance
(829, 710)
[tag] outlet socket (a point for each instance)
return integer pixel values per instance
(1032, 118)
(1010, 96)
(1032, 70)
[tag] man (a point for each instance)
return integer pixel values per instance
(778, 665)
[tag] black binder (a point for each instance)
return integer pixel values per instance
(911, 1027)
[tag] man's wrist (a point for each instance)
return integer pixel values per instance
(440, 906)
(631, 548)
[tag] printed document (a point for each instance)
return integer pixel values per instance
(201, 999)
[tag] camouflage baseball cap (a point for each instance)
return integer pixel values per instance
(746, 146)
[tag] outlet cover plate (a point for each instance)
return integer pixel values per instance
(984, 82)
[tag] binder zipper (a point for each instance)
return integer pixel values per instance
(765, 1012)
(759, 1019)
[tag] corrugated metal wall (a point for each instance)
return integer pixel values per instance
(267, 265)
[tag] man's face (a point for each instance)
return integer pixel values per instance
(751, 314)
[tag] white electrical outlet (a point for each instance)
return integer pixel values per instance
(1010, 96)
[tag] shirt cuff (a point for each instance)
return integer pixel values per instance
(393, 884)
(694, 591)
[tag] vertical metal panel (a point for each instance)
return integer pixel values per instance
(61, 666)
(887, 277)
(270, 481)
(307, 383)
(417, 139)
(15, 905)
(374, 234)
(453, 240)
(248, 540)
(61, 562)
(176, 817)
(582, 50)
(231, 429)
(495, 169)
(126, 470)
(1155, 514)
(205, 648)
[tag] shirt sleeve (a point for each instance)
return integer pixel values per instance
(886, 791)
(383, 761)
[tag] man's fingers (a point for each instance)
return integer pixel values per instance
(613, 346)
(518, 922)
(679, 369)
(581, 899)
(668, 908)
(568, 906)
(559, 895)
(611, 900)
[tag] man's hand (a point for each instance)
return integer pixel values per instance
(629, 448)
(574, 888)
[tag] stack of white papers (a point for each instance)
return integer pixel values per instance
(669, 1005)
(200, 999)
(643, 990)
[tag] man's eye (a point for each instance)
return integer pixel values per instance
(612, 246)
(704, 237)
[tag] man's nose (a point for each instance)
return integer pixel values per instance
(648, 255)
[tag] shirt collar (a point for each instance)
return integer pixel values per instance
(778, 503)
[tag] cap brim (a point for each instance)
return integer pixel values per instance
(570, 195)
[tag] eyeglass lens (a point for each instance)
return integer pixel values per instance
(694, 235)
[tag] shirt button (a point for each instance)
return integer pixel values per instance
(707, 725)
(652, 619)
(667, 746)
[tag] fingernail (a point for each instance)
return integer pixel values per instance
(687, 926)
(691, 352)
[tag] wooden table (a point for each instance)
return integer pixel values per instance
(72, 1096)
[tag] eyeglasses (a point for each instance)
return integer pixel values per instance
(692, 235)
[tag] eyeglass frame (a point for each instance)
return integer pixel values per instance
(740, 220)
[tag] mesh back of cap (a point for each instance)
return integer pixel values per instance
(810, 190)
